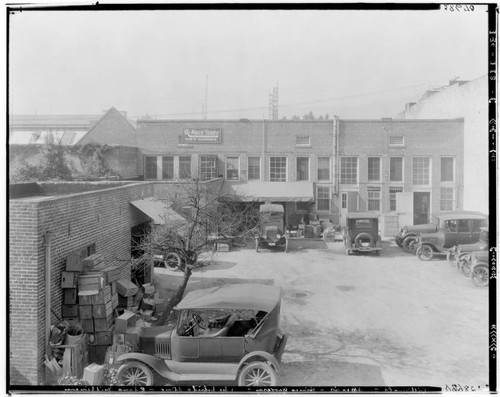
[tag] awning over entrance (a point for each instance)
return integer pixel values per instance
(159, 211)
(275, 191)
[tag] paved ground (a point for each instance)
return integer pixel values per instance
(364, 320)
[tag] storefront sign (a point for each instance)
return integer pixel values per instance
(202, 135)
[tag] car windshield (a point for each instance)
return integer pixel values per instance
(219, 322)
(362, 224)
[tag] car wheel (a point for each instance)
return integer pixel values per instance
(451, 257)
(135, 373)
(412, 248)
(358, 241)
(173, 260)
(480, 276)
(407, 241)
(465, 267)
(257, 373)
(425, 253)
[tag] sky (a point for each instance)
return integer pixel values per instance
(354, 64)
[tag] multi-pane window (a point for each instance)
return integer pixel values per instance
(374, 168)
(373, 198)
(184, 167)
(232, 168)
(167, 167)
(343, 203)
(392, 197)
(208, 167)
(446, 199)
(302, 168)
(254, 168)
(421, 170)
(323, 198)
(349, 170)
(277, 169)
(302, 140)
(396, 169)
(151, 169)
(447, 169)
(323, 168)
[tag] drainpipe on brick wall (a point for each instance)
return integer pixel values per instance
(263, 171)
(335, 160)
(48, 246)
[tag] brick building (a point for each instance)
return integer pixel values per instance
(91, 217)
(318, 169)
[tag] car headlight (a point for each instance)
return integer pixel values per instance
(278, 235)
(404, 231)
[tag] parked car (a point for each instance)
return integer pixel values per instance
(226, 333)
(459, 255)
(271, 231)
(480, 270)
(409, 234)
(361, 233)
(452, 229)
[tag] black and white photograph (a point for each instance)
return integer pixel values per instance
(245, 197)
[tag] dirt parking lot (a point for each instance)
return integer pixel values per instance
(363, 320)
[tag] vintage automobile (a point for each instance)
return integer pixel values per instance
(361, 233)
(223, 334)
(271, 230)
(480, 270)
(459, 255)
(452, 229)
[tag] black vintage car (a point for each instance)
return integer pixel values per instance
(361, 233)
(271, 232)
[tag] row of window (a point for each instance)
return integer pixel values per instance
(374, 198)
(278, 166)
(421, 170)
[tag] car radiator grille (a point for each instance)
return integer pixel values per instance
(162, 349)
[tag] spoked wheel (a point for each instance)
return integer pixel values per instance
(480, 276)
(465, 267)
(173, 261)
(406, 243)
(412, 247)
(135, 373)
(425, 253)
(257, 373)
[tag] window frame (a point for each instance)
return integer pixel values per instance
(181, 176)
(396, 144)
(308, 176)
(271, 170)
(342, 170)
(206, 156)
(238, 170)
(452, 169)
(248, 168)
(163, 158)
(297, 143)
(329, 168)
(447, 199)
(402, 169)
(416, 169)
(327, 199)
(393, 200)
(379, 169)
(378, 200)
(146, 175)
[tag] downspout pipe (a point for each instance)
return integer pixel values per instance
(335, 160)
(48, 274)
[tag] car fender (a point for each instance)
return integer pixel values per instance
(260, 354)
(434, 249)
(158, 364)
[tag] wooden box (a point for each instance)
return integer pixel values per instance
(104, 296)
(101, 338)
(70, 310)
(85, 312)
(148, 289)
(91, 261)
(111, 272)
(103, 324)
(72, 320)
(93, 374)
(102, 311)
(86, 297)
(74, 262)
(69, 279)
(126, 320)
(114, 301)
(222, 247)
(88, 325)
(132, 335)
(118, 338)
(90, 282)
(126, 287)
(70, 296)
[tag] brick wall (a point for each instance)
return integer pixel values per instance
(102, 217)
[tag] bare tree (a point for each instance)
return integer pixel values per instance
(199, 214)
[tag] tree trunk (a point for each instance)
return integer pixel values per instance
(177, 297)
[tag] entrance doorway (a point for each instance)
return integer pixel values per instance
(421, 207)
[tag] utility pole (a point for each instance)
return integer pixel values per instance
(205, 105)
(273, 103)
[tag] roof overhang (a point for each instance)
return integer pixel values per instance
(275, 191)
(159, 211)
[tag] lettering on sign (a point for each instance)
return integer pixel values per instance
(202, 135)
